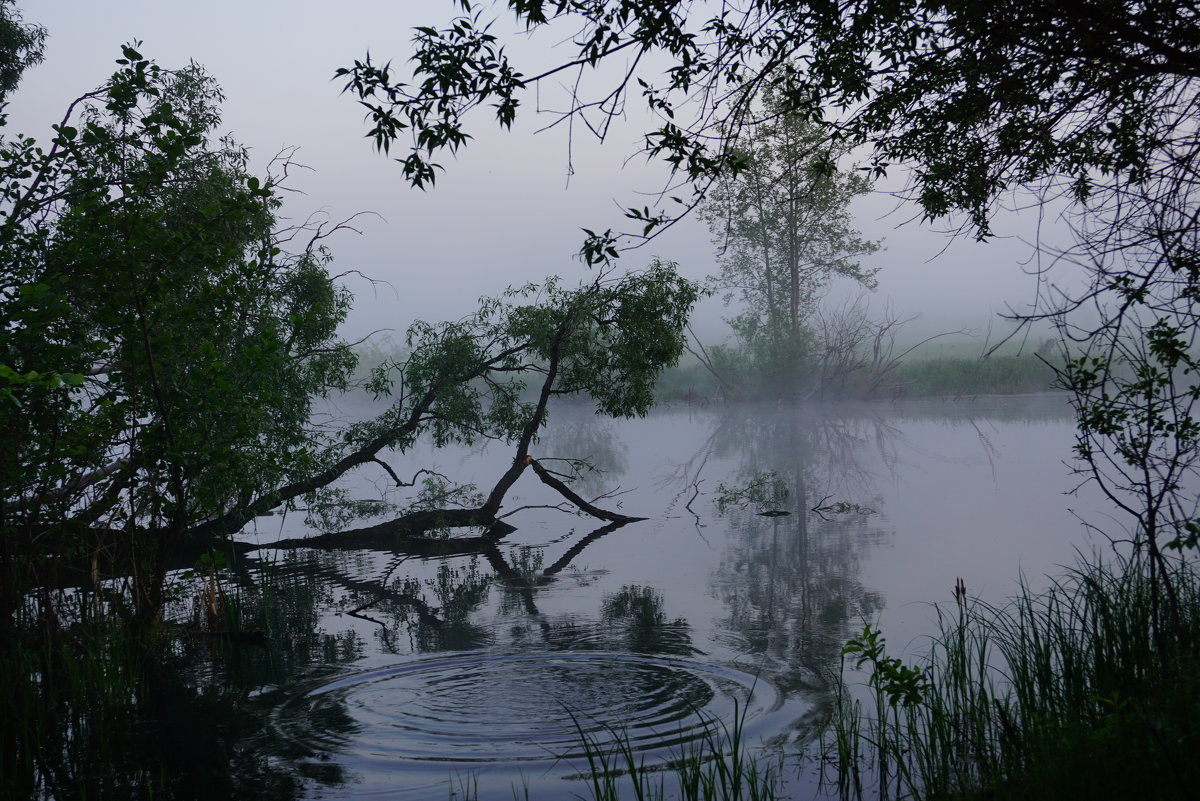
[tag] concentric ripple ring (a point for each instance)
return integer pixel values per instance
(475, 708)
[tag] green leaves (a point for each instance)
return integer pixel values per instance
(455, 70)
(139, 251)
(599, 249)
(897, 683)
(12, 381)
(607, 340)
(978, 99)
(782, 222)
(20, 47)
(1138, 437)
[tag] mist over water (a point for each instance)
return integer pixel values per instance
(486, 664)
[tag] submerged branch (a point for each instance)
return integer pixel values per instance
(573, 497)
(406, 532)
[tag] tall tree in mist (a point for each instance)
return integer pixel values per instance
(783, 230)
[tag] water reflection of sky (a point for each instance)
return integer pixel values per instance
(971, 489)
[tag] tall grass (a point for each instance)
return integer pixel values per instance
(716, 767)
(1058, 695)
(954, 376)
(65, 709)
(89, 710)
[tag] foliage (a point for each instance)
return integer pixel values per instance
(86, 715)
(1062, 694)
(1092, 105)
(978, 99)
(957, 376)
(1134, 391)
(20, 47)
(766, 490)
(608, 339)
(896, 683)
(783, 231)
(716, 767)
(1091, 102)
(162, 350)
(909, 377)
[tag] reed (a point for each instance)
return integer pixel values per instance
(1062, 694)
(69, 686)
(86, 701)
(718, 766)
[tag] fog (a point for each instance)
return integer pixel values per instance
(508, 209)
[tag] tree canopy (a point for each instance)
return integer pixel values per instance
(20, 47)
(976, 98)
(165, 340)
(161, 350)
(783, 231)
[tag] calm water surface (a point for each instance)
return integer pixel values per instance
(403, 675)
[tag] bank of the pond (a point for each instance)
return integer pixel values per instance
(1089, 690)
(918, 377)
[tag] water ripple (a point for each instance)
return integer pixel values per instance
(478, 709)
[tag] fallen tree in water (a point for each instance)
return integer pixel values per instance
(462, 382)
(583, 342)
(409, 529)
(166, 335)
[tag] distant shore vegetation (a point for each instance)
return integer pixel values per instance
(923, 374)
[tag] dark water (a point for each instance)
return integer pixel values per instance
(394, 674)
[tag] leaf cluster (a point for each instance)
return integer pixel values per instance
(607, 340)
(896, 682)
(20, 47)
(161, 349)
(978, 98)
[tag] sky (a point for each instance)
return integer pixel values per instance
(505, 211)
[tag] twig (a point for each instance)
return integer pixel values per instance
(568, 493)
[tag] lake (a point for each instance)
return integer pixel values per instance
(415, 674)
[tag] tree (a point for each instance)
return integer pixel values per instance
(162, 350)
(975, 99)
(783, 230)
(1091, 103)
(162, 345)
(20, 47)
(141, 264)
(467, 381)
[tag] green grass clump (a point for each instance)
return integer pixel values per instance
(717, 767)
(994, 375)
(1090, 690)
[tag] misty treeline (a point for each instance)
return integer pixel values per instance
(783, 232)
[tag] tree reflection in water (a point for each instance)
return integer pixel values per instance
(788, 587)
(791, 584)
(777, 595)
